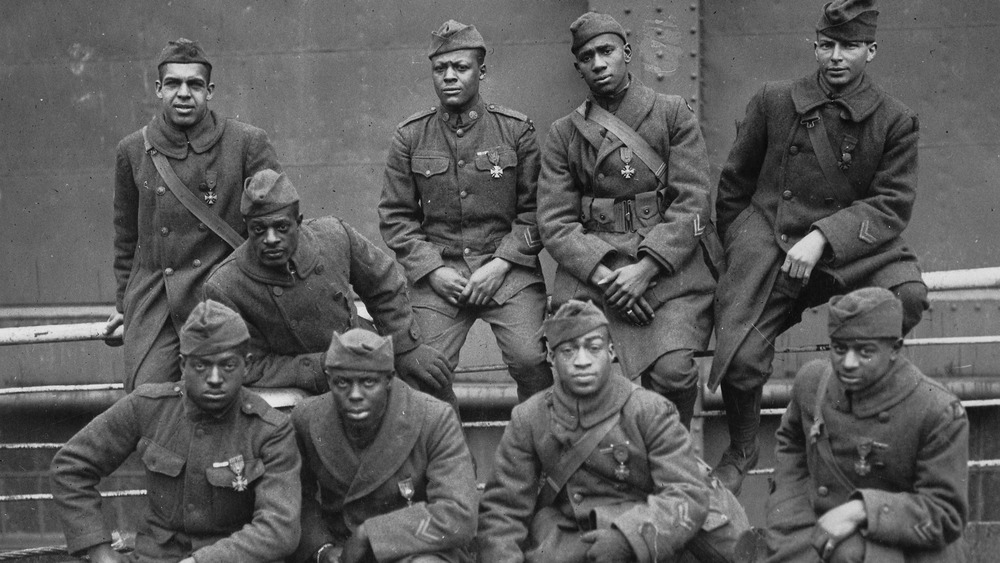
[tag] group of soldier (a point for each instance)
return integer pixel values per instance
(223, 285)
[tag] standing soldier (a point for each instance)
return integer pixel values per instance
(872, 454)
(623, 205)
(222, 470)
(178, 183)
(458, 209)
(817, 189)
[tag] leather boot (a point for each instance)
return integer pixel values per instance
(743, 419)
(684, 400)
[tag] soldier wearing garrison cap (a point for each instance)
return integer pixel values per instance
(458, 209)
(626, 214)
(294, 283)
(619, 480)
(163, 251)
(222, 469)
(818, 187)
(872, 454)
(386, 473)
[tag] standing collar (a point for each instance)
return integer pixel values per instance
(305, 259)
(195, 414)
(174, 143)
(469, 117)
(896, 385)
(860, 102)
(586, 412)
(636, 104)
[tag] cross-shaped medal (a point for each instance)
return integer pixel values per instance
(211, 198)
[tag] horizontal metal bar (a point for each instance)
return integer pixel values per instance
(978, 278)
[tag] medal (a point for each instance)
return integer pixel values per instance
(845, 152)
(620, 453)
(236, 466)
(626, 155)
(406, 489)
(494, 157)
(210, 197)
(862, 467)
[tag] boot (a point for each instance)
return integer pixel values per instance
(743, 419)
(684, 400)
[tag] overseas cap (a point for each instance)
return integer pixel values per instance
(454, 36)
(575, 318)
(849, 20)
(212, 328)
(360, 350)
(266, 192)
(183, 51)
(871, 312)
(592, 24)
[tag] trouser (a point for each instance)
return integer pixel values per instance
(675, 376)
(160, 363)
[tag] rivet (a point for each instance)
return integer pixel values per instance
(694, 30)
(693, 7)
(693, 53)
(627, 11)
(659, 9)
(659, 54)
(628, 32)
(694, 98)
(954, 307)
(659, 76)
(659, 32)
(694, 76)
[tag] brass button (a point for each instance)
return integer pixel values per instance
(191, 507)
(467, 251)
(319, 268)
(161, 190)
(883, 417)
(164, 231)
(600, 176)
(199, 432)
(169, 271)
(786, 195)
(306, 362)
(463, 193)
(461, 163)
(202, 227)
(784, 238)
(603, 216)
(885, 510)
(793, 150)
(196, 263)
(822, 491)
(277, 290)
(577, 497)
(177, 388)
(427, 172)
(460, 133)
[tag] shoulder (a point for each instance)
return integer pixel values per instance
(531, 411)
(896, 112)
(306, 411)
(511, 118)
(223, 271)
(807, 380)
(326, 225)
(252, 405)
(935, 399)
(243, 129)
(419, 116)
(159, 390)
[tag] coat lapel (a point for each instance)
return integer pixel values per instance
(329, 438)
(859, 103)
(637, 104)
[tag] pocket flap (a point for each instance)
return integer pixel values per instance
(224, 476)
(602, 210)
(646, 205)
(506, 158)
(160, 460)
(428, 165)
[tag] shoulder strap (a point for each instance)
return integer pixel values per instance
(821, 436)
(631, 139)
(188, 199)
(824, 152)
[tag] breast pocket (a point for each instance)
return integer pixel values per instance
(164, 479)
(232, 507)
(497, 166)
(428, 170)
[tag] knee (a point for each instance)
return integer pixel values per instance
(674, 371)
(851, 550)
(913, 295)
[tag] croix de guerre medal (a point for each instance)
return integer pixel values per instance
(406, 489)
(626, 155)
(494, 157)
(861, 466)
(236, 465)
(620, 453)
(210, 197)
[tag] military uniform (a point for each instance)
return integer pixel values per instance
(292, 315)
(195, 506)
(902, 445)
(458, 195)
(163, 253)
(413, 487)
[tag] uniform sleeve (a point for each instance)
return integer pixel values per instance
(260, 155)
(559, 212)
(314, 530)
(126, 221)
(447, 520)
(675, 512)
(523, 243)
(507, 506)
(863, 227)
(935, 513)
(400, 215)
(93, 453)
(275, 529)
(673, 240)
(738, 180)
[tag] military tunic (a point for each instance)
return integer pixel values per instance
(913, 438)
(162, 252)
(581, 163)
(419, 452)
(772, 193)
(291, 316)
(193, 507)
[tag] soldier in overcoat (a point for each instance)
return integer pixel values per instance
(222, 469)
(163, 253)
(805, 215)
(386, 473)
(622, 236)
(872, 454)
(458, 209)
(293, 282)
(599, 469)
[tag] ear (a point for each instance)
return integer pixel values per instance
(872, 49)
(576, 65)
(611, 351)
(482, 71)
(550, 356)
(299, 218)
(159, 89)
(211, 90)
(627, 49)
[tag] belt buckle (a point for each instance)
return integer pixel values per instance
(629, 207)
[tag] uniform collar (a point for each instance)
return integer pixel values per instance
(469, 118)
(195, 414)
(882, 395)
(304, 260)
(174, 142)
(571, 412)
(636, 104)
(860, 102)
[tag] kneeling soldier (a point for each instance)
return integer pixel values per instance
(872, 454)
(618, 479)
(221, 465)
(387, 475)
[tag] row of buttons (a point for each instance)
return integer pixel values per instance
(170, 271)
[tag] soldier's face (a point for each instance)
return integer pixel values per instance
(842, 63)
(184, 91)
(456, 78)
(275, 237)
(603, 63)
(213, 381)
(583, 364)
(361, 397)
(860, 362)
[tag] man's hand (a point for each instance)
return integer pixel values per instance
(358, 548)
(623, 289)
(102, 553)
(424, 364)
(803, 256)
(836, 525)
(608, 545)
(448, 283)
(114, 321)
(484, 282)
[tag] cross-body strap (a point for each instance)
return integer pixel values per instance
(824, 152)
(188, 199)
(632, 140)
(821, 436)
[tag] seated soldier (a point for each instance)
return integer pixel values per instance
(872, 454)
(292, 281)
(387, 475)
(619, 479)
(221, 465)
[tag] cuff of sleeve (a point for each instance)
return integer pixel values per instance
(406, 340)
(425, 267)
(631, 525)
(842, 239)
(883, 513)
(384, 531)
(665, 265)
(80, 543)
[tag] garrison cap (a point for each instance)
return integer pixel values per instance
(183, 51)
(592, 24)
(849, 20)
(212, 328)
(870, 312)
(265, 192)
(360, 350)
(575, 318)
(454, 36)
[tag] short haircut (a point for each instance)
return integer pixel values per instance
(208, 70)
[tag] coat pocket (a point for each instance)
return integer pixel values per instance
(230, 505)
(164, 478)
(504, 156)
(428, 165)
